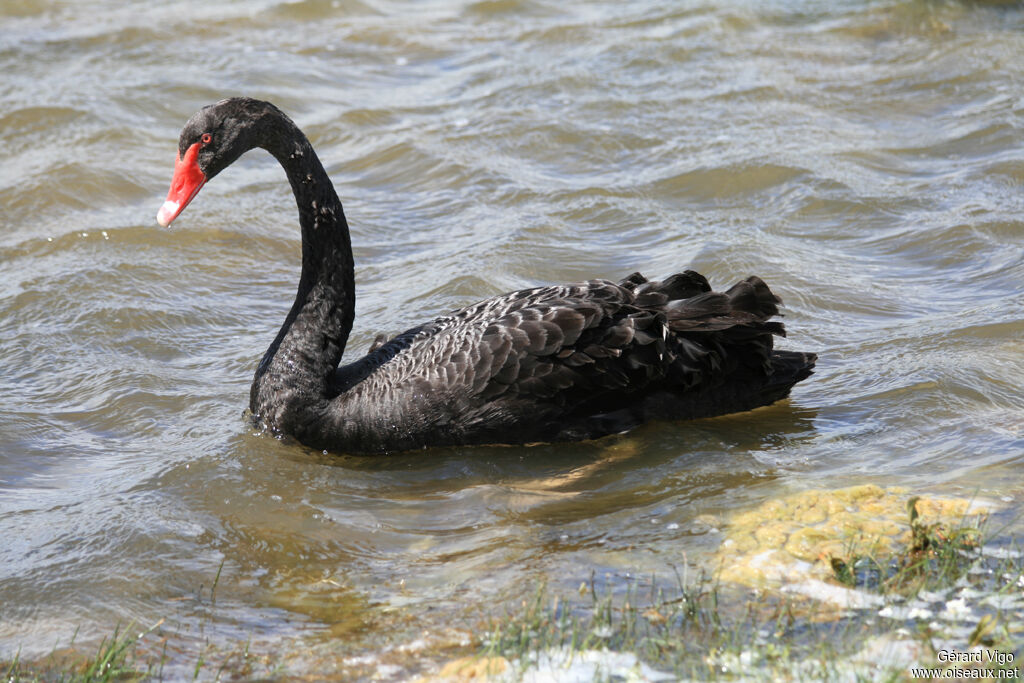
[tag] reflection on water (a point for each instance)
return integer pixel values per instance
(865, 160)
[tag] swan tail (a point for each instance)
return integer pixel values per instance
(786, 368)
(720, 345)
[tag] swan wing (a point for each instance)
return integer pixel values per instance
(571, 343)
(545, 363)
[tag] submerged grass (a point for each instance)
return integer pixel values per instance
(128, 655)
(114, 660)
(948, 590)
(697, 630)
(644, 622)
(936, 556)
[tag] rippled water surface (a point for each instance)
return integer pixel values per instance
(865, 159)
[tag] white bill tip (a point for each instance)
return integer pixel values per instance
(167, 213)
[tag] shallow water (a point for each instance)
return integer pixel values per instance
(865, 159)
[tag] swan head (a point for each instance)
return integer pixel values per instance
(212, 140)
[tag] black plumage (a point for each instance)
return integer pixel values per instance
(554, 363)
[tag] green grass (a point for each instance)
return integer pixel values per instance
(115, 660)
(127, 655)
(694, 629)
(936, 557)
(703, 630)
(689, 627)
(641, 621)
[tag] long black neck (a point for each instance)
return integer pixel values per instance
(291, 380)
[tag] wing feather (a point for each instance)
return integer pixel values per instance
(568, 350)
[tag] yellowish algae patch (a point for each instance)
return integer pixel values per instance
(471, 669)
(793, 539)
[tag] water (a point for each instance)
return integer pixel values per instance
(865, 159)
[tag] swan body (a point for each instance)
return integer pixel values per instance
(557, 363)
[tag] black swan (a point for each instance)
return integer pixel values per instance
(557, 363)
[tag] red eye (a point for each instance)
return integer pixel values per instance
(206, 138)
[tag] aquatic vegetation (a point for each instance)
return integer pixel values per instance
(902, 578)
(818, 536)
(114, 660)
(937, 553)
(930, 588)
